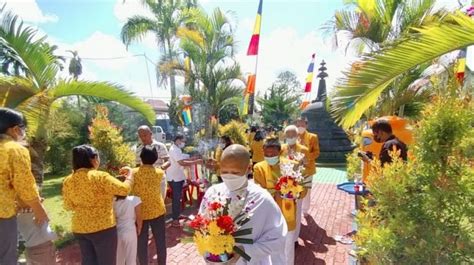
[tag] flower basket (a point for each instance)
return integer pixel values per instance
(216, 232)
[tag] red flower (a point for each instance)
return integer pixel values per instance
(198, 222)
(215, 206)
(225, 222)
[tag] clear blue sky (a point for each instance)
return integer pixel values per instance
(290, 34)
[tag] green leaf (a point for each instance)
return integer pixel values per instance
(243, 240)
(104, 90)
(360, 89)
(242, 253)
(243, 232)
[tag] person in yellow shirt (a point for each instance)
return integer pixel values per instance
(266, 174)
(146, 185)
(251, 134)
(310, 141)
(89, 194)
(16, 180)
(256, 147)
(289, 150)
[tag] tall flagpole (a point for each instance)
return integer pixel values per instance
(249, 95)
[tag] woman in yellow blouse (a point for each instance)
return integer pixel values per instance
(16, 179)
(89, 194)
(256, 147)
(147, 183)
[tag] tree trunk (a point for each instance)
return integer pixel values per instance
(37, 150)
(172, 75)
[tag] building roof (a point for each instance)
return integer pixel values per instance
(158, 105)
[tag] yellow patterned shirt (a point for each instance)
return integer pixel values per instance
(147, 186)
(89, 194)
(16, 178)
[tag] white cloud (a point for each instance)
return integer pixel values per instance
(29, 11)
(126, 9)
(285, 49)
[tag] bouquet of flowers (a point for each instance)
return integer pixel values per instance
(216, 231)
(291, 183)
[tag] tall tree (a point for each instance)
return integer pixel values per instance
(281, 102)
(75, 65)
(164, 26)
(35, 91)
(213, 77)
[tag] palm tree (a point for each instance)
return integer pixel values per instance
(212, 75)
(75, 65)
(164, 26)
(360, 89)
(37, 88)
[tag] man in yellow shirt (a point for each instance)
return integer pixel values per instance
(16, 179)
(310, 141)
(266, 174)
(290, 151)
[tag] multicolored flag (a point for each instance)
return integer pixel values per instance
(254, 41)
(186, 113)
(309, 84)
(460, 67)
(249, 93)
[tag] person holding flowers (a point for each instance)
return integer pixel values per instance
(238, 221)
(268, 174)
(292, 150)
(310, 141)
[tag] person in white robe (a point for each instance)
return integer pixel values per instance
(268, 225)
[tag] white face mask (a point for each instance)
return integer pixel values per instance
(234, 182)
(22, 136)
(181, 145)
(272, 160)
(222, 146)
(301, 130)
(291, 141)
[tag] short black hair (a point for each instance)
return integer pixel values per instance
(272, 142)
(259, 136)
(226, 139)
(253, 129)
(177, 137)
(122, 179)
(382, 125)
(149, 155)
(82, 156)
(10, 118)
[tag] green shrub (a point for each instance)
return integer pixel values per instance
(106, 137)
(424, 210)
(67, 127)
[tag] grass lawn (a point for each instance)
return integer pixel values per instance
(59, 218)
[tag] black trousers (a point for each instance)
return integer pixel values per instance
(8, 241)
(158, 229)
(98, 248)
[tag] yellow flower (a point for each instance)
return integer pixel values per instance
(214, 229)
(214, 244)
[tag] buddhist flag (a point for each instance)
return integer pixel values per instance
(254, 41)
(187, 115)
(308, 83)
(460, 69)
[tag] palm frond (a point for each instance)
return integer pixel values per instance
(137, 27)
(360, 89)
(14, 90)
(103, 90)
(34, 55)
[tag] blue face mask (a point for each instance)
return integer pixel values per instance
(272, 160)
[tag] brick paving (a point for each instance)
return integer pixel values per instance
(330, 215)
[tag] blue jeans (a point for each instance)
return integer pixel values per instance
(8, 243)
(177, 188)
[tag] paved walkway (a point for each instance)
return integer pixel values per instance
(330, 216)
